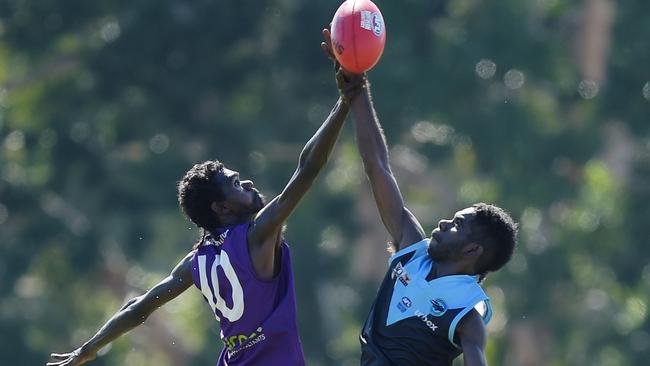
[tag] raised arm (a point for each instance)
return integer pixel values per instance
(132, 314)
(264, 234)
(403, 227)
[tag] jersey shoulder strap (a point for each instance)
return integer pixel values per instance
(419, 249)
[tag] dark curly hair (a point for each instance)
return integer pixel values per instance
(196, 192)
(497, 232)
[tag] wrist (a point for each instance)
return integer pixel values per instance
(344, 103)
(87, 350)
(352, 92)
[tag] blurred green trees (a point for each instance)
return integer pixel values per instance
(540, 106)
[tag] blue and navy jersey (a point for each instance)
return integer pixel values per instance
(413, 321)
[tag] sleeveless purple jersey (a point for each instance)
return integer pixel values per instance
(258, 317)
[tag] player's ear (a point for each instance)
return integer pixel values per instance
(220, 208)
(473, 250)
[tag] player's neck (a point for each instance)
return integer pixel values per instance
(230, 221)
(446, 268)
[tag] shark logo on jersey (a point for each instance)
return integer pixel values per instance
(438, 307)
(400, 272)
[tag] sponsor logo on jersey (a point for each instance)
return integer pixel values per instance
(399, 272)
(218, 241)
(238, 343)
(431, 325)
(404, 304)
(438, 307)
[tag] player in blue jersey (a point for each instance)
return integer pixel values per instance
(242, 264)
(430, 307)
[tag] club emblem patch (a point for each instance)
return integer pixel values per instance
(438, 307)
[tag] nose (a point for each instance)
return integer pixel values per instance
(247, 184)
(444, 224)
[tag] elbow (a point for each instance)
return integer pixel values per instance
(310, 165)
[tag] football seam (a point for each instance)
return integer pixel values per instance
(354, 34)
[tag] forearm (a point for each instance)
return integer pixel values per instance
(129, 317)
(369, 134)
(318, 149)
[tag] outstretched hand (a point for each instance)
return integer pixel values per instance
(74, 358)
(327, 48)
(349, 84)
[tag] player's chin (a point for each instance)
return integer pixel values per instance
(260, 200)
(436, 250)
(433, 240)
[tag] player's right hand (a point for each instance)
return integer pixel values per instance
(75, 358)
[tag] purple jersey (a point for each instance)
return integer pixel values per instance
(258, 317)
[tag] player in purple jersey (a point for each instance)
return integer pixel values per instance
(429, 308)
(242, 264)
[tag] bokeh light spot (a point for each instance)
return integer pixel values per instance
(486, 69)
(159, 143)
(15, 141)
(596, 299)
(588, 89)
(110, 31)
(514, 79)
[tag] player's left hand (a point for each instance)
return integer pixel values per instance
(75, 358)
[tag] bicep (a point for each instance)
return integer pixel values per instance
(401, 224)
(473, 338)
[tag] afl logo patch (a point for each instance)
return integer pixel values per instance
(404, 304)
(438, 307)
(406, 301)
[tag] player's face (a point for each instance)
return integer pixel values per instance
(241, 196)
(449, 238)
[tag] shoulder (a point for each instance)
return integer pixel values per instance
(184, 266)
(472, 329)
(473, 338)
(189, 256)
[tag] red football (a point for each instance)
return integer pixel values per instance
(358, 35)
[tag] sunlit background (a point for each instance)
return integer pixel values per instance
(539, 106)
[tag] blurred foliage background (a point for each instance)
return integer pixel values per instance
(539, 106)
